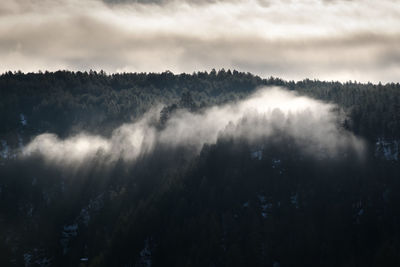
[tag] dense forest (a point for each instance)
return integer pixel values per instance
(235, 203)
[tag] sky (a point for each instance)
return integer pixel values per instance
(317, 39)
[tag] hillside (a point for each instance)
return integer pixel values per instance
(145, 169)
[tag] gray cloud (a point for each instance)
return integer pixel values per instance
(259, 118)
(165, 2)
(158, 2)
(339, 40)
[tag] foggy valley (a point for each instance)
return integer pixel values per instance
(199, 133)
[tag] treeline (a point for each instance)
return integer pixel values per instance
(65, 101)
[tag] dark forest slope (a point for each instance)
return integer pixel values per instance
(234, 204)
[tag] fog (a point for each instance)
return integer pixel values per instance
(268, 113)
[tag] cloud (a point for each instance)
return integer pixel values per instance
(263, 116)
(165, 2)
(331, 40)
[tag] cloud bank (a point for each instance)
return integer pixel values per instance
(331, 40)
(270, 112)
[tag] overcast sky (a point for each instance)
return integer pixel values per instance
(322, 39)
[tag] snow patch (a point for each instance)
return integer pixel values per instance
(44, 262)
(387, 149)
(276, 163)
(27, 259)
(93, 206)
(30, 209)
(68, 232)
(257, 154)
(20, 142)
(4, 153)
(265, 206)
(261, 198)
(85, 216)
(37, 257)
(71, 231)
(23, 120)
(358, 211)
(294, 200)
(145, 254)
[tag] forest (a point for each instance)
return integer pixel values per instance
(283, 199)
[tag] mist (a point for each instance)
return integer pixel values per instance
(268, 113)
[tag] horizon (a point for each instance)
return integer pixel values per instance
(208, 72)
